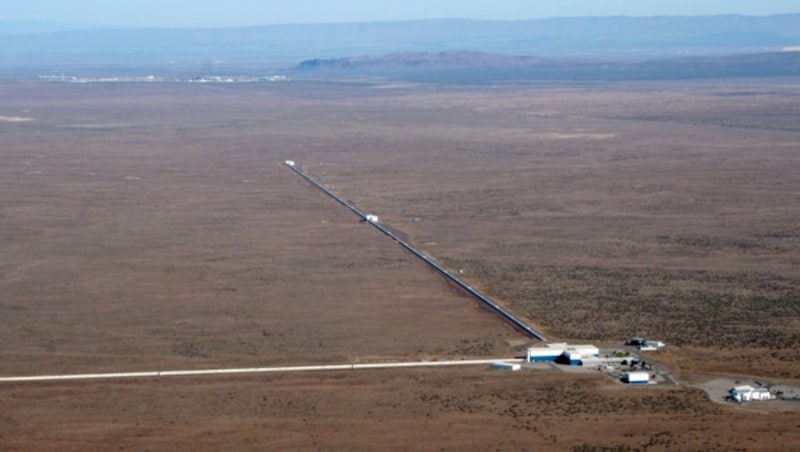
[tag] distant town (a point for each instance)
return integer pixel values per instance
(63, 78)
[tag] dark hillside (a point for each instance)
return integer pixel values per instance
(475, 67)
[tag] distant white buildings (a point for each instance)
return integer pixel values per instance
(62, 78)
(746, 393)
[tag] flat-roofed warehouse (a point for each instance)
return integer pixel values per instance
(562, 352)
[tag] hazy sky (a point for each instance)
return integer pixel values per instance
(225, 13)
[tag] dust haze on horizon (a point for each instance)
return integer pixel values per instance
(39, 15)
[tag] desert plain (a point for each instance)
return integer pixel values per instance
(154, 227)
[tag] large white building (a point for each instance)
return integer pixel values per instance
(562, 352)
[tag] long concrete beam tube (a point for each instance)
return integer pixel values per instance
(248, 370)
(516, 322)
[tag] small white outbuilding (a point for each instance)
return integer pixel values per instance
(649, 346)
(746, 393)
(637, 378)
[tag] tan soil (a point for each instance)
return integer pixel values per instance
(168, 235)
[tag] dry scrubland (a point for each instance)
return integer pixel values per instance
(152, 227)
(468, 409)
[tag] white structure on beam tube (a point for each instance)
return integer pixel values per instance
(501, 365)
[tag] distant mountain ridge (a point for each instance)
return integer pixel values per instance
(28, 27)
(256, 48)
(479, 67)
(422, 60)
